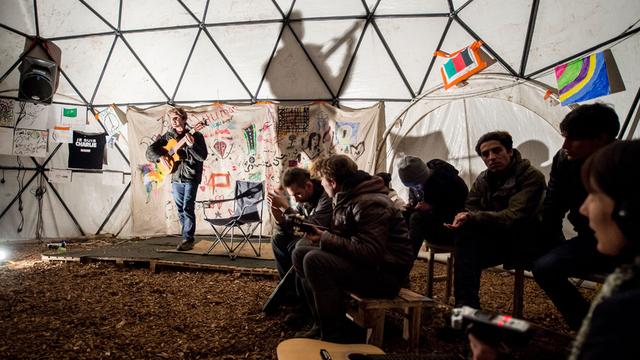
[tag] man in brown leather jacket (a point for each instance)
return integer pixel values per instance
(367, 249)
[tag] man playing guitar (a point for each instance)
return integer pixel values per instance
(181, 153)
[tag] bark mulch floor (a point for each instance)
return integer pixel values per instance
(101, 311)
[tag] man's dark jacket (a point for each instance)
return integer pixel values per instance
(367, 228)
(189, 167)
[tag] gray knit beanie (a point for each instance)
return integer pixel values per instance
(413, 171)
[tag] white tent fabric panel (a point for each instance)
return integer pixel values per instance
(314, 8)
(414, 59)
(291, 75)
(125, 80)
(89, 199)
(83, 61)
(18, 14)
(166, 59)
(330, 44)
(249, 61)
(412, 7)
(565, 27)
(505, 33)
(12, 47)
(224, 11)
(142, 14)
(108, 9)
(61, 18)
(372, 61)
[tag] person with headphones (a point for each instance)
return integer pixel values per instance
(611, 177)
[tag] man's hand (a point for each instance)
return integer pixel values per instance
(165, 162)
(315, 236)
(422, 206)
(189, 139)
(278, 200)
(458, 220)
(480, 350)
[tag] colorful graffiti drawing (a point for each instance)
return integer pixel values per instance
(221, 180)
(583, 79)
(221, 149)
(150, 177)
(250, 137)
(346, 134)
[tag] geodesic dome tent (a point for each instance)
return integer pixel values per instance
(352, 53)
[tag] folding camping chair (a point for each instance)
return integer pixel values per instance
(247, 210)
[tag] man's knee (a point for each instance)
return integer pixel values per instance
(545, 266)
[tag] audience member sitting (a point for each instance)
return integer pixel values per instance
(367, 249)
(609, 330)
(436, 195)
(393, 195)
(314, 205)
(501, 215)
(585, 129)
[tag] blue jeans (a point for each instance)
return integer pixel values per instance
(184, 195)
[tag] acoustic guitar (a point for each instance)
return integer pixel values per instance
(167, 164)
(296, 349)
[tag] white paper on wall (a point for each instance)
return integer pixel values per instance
(62, 134)
(6, 140)
(59, 175)
(30, 142)
(113, 119)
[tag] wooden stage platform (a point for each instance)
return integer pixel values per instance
(159, 253)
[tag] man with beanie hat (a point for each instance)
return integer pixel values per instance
(436, 195)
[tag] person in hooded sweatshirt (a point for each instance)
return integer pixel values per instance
(366, 250)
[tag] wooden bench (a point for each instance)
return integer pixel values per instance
(370, 314)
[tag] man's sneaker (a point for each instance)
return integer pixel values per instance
(185, 245)
(298, 317)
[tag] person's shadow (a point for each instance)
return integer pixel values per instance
(291, 76)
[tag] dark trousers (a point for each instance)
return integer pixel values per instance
(184, 196)
(327, 276)
(425, 226)
(574, 257)
(477, 247)
(283, 244)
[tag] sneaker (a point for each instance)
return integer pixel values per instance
(185, 245)
(313, 333)
(297, 318)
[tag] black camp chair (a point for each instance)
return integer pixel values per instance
(247, 206)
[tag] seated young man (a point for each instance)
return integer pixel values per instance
(501, 215)
(367, 249)
(586, 129)
(313, 205)
(436, 195)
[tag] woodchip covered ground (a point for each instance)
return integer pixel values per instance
(53, 310)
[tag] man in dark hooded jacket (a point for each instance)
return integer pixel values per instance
(501, 217)
(436, 195)
(367, 249)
